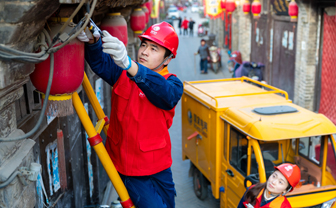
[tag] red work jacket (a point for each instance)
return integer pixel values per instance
(278, 202)
(138, 141)
(185, 24)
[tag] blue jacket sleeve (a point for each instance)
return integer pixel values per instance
(162, 93)
(101, 63)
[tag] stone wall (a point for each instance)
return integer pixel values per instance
(244, 34)
(306, 56)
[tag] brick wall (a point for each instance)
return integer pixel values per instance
(244, 35)
(306, 56)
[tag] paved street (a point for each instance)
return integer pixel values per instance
(186, 67)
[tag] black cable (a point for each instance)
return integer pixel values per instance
(45, 102)
(10, 179)
(51, 72)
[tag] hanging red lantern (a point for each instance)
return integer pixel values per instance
(138, 21)
(116, 25)
(148, 4)
(68, 72)
(293, 11)
(144, 9)
(68, 67)
(223, 4)
(246, 7)
(230, 6)
(256, 8)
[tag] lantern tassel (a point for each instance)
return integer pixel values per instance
(59, 105)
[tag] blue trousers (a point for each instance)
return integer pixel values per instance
(153, 191)
(204, 65)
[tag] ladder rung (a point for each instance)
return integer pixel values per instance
(100, 125)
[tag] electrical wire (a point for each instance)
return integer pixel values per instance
(23, 56)
(45, 102)
(70, 18)
(10, 179)
(87, 19)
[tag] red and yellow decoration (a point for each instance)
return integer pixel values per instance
(256, 8)
(246, 7)
(293, 11)
(230, 6)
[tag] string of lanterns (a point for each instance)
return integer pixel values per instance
(230, 5)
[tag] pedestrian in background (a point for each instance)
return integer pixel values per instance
(185, 24)
(191, 27)
(180, 24)
(204, 53)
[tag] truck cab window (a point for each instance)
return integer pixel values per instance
(238, 153)
(309, 147)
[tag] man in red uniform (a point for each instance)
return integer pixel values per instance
(185, 24)
(144, 97)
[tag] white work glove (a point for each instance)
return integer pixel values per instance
(87, 35)
(117, 50)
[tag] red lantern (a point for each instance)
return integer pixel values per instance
(116, 25)
(144, 9)
(68, 65)
(230, 6)
(246, 7)
(293, 11)
(148, 4)
(138, 20)
(256, 8)
(223, 4)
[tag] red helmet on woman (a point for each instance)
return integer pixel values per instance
(163, 34)
(291, 172)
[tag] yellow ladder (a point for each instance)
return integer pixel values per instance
(96, 141)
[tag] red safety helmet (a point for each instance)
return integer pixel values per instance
(236, 56)
(163, 34)
(291, 172)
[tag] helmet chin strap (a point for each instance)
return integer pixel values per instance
(171, 55)
(287, 191)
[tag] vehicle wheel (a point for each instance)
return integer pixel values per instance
(215, 67)
(200, 185)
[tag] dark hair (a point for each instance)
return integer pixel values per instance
(167, 53)
(202, 40)
(253, 192)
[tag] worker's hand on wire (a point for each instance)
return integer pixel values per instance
(117, 50)
(87, 35)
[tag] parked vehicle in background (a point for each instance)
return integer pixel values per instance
(194, 8)
(234, 133)
(201, 12)
(170, 21)
(201, 31)
(173, 13)
(215, 60)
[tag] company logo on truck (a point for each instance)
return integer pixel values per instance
(198, 123)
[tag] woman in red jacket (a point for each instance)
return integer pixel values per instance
(272, 193)
(185, 24)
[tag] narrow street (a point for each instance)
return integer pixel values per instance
(184, 67)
